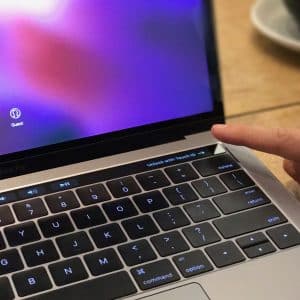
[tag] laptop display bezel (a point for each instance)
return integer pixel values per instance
(42, 158)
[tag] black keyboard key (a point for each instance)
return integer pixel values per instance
(62, 202)
(249, 221)
(140, 227)
(180, 194)
(201, 234)
(181, 173)
(31, 192)
(153, 180)
(209, 187)
(151, 201)
(201, 211)
(40, 253)
(53, 226)
(7, 198)
(192, 263)
(2, 243)
(74, 244)
(285, 236)
(114, 286)
(237, 180)
(120, 209)
(123, 187)
(64, 184)
(155, 274)
(108, 235)
(22, 234)
(241, 200)
(252, 240)
(169, 243)
(6, 216)
(31, 282)
(68, 271)
(88, 217)
(93, 194)
(259, 250)
(215, 165)
(10, 261)
(225, 254)
(137, 252)
(30, 209)
(6, 292)
(103, 262)
(171, 218)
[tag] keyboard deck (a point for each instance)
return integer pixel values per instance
(123, 230)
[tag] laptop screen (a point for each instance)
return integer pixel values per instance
(72, 69)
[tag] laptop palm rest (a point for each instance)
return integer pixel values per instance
(191, 291)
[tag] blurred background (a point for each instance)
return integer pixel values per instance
(261, 79)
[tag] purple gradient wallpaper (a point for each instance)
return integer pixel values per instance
(78, 68)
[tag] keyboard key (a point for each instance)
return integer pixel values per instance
(53, 226)
(22, 234)
(137, 252)
(171, 218)
(180, 194)
(40, 253)
(10, 261)
(104, 286)
(192, 263)
(2, 243)
(140, 227)
(151, 201)
(201, 234)
(88, 217)
(209, 187)
(62, 202)
(6, 216)
(153, 180)
(237, 180)
(64, 184)
(31, 282)
(155, 274)
(201, 211)
(6, 292)
(181, 173)
(30, 209)
(224, 254)
(93, 194)
(74, 244)
(169, 243)
(215, 165)
(7, 198)
(108, 235)
(68, 271)
(249, 221)
(120, 209)
(252, 240)
(123, 187)
(259, 250)
(285, 236)
(241, 200)
(103, 262)
(31, 192)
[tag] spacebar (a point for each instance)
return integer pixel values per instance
(105, 288)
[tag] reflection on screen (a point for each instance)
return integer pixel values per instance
(77, 68)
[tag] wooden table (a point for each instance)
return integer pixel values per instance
(261, 81)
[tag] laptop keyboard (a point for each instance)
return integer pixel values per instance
(135, 227)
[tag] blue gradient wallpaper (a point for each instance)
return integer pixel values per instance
(71, 69)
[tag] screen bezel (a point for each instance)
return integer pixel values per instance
(51, 156)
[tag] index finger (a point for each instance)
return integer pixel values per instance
(279, 141)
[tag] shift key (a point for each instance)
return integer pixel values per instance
(249, 221)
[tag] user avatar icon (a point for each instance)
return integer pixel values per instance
(15, 113)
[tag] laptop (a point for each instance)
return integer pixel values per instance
(112, 185)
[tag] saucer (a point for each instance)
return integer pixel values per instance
(272, 19)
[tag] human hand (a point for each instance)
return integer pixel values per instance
(279, 141)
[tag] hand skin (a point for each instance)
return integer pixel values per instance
(280, 141)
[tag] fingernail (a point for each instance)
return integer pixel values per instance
(219, 126)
